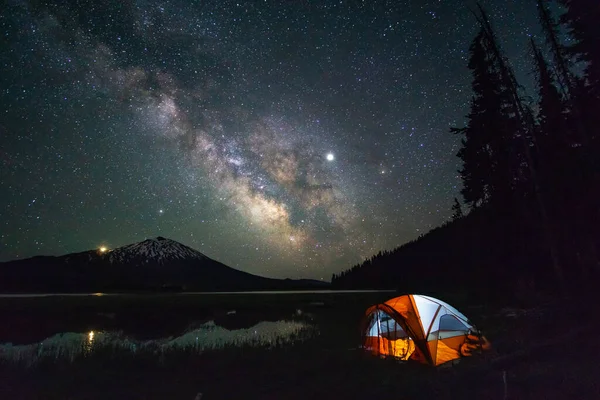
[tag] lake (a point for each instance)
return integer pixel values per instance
(266, 292)
(70, 326)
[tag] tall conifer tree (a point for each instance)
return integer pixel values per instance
(490, 156)
(475, 152)
(560, 56)
(554, 161)
(582, 20)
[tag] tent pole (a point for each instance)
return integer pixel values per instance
(379, 341)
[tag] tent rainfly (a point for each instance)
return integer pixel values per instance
(420, 328)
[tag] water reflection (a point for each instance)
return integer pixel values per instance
(208, 336)
(258, 293)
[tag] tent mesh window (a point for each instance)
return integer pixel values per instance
(386, 337)
(451, 323)
(390, 329)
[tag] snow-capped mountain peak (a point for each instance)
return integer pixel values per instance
(158, 250)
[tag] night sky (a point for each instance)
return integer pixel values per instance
(287, 139)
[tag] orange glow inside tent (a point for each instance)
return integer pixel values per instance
(420, 328)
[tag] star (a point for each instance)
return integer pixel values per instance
(238, 136)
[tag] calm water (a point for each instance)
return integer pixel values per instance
(279, 292)
(60, 326)
(72, 345)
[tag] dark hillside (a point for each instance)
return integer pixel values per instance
(530, 174)
(478, 255)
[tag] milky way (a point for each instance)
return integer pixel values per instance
(287, 139)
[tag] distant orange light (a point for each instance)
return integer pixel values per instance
(103, 249)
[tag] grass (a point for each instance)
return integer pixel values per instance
(326, 366)
(72, 347)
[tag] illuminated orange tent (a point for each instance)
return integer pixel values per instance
(420, 328)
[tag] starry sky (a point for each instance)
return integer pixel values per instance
(283, 138)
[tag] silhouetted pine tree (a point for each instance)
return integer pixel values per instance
(531, 203)
(571, 86)
(489, 152)
(560, 55)
(552, 138)
(582, 21)
(555, 158)
(524, 123)
(456, 210)
(474, 157)
(474, 152)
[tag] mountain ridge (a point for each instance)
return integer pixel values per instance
(152, 265)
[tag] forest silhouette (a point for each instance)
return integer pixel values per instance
(527, 225)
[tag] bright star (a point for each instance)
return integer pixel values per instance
(161, 211)
(330, 157)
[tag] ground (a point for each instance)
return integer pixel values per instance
(544, 352)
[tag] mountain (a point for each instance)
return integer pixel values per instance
(157, 264)
(160, 250)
